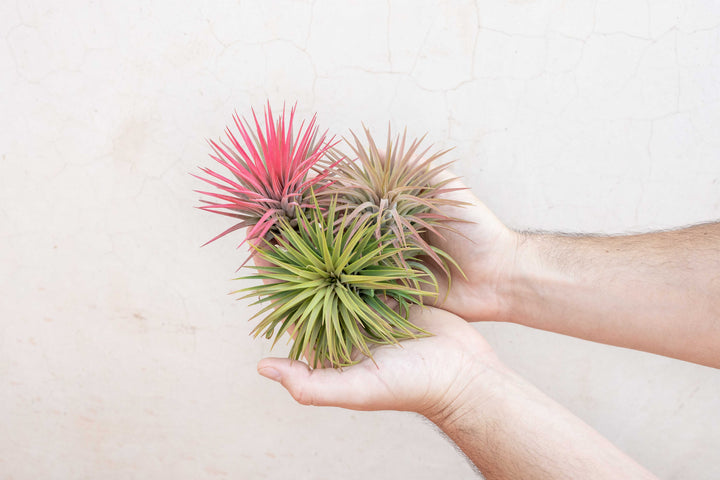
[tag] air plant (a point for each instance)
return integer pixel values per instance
(339, 245)
(271, 172)
(399, 189)
(329, 287)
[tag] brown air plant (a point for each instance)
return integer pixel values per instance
(400, 189)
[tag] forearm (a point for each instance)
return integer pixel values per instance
(657, 292)
(516, 431)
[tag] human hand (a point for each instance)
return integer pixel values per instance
(429, 375)
(484, 248)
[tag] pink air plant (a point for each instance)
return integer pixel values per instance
(339, 243)
(272, 171)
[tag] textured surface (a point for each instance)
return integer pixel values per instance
(120, 354)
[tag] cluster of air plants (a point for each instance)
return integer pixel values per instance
(338, 239)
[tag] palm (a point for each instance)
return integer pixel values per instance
(419, 375)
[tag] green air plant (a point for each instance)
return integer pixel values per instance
(399, 189)
(328, 285)
(340, 246)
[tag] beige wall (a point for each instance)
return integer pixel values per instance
(121, 356)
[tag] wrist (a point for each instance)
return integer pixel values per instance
(531, 279)
(492, 280)
(482, 387)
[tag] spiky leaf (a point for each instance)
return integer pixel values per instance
(329, 286)
(399, 189)
(270, 171)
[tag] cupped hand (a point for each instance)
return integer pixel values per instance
(484, 249)
(428, 375)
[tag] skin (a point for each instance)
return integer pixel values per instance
(507, 427)
(656, 292)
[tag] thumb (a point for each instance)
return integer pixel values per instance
(348, 388)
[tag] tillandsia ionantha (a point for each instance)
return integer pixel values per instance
(338, 244)
(271, 172)
(328, 285)
(400, 189)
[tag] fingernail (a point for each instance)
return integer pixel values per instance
(270, 373)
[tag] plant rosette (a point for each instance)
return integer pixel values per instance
(338, 242)
(271, 172)
(330, 288)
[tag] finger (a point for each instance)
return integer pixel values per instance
(457, 190)
(389, 301)
(476, 212)
(435, 320)
(349, 388)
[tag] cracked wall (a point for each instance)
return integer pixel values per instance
(120, 352)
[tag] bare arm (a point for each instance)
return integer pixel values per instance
(518, 432)
(657, 292)
(507, 427)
